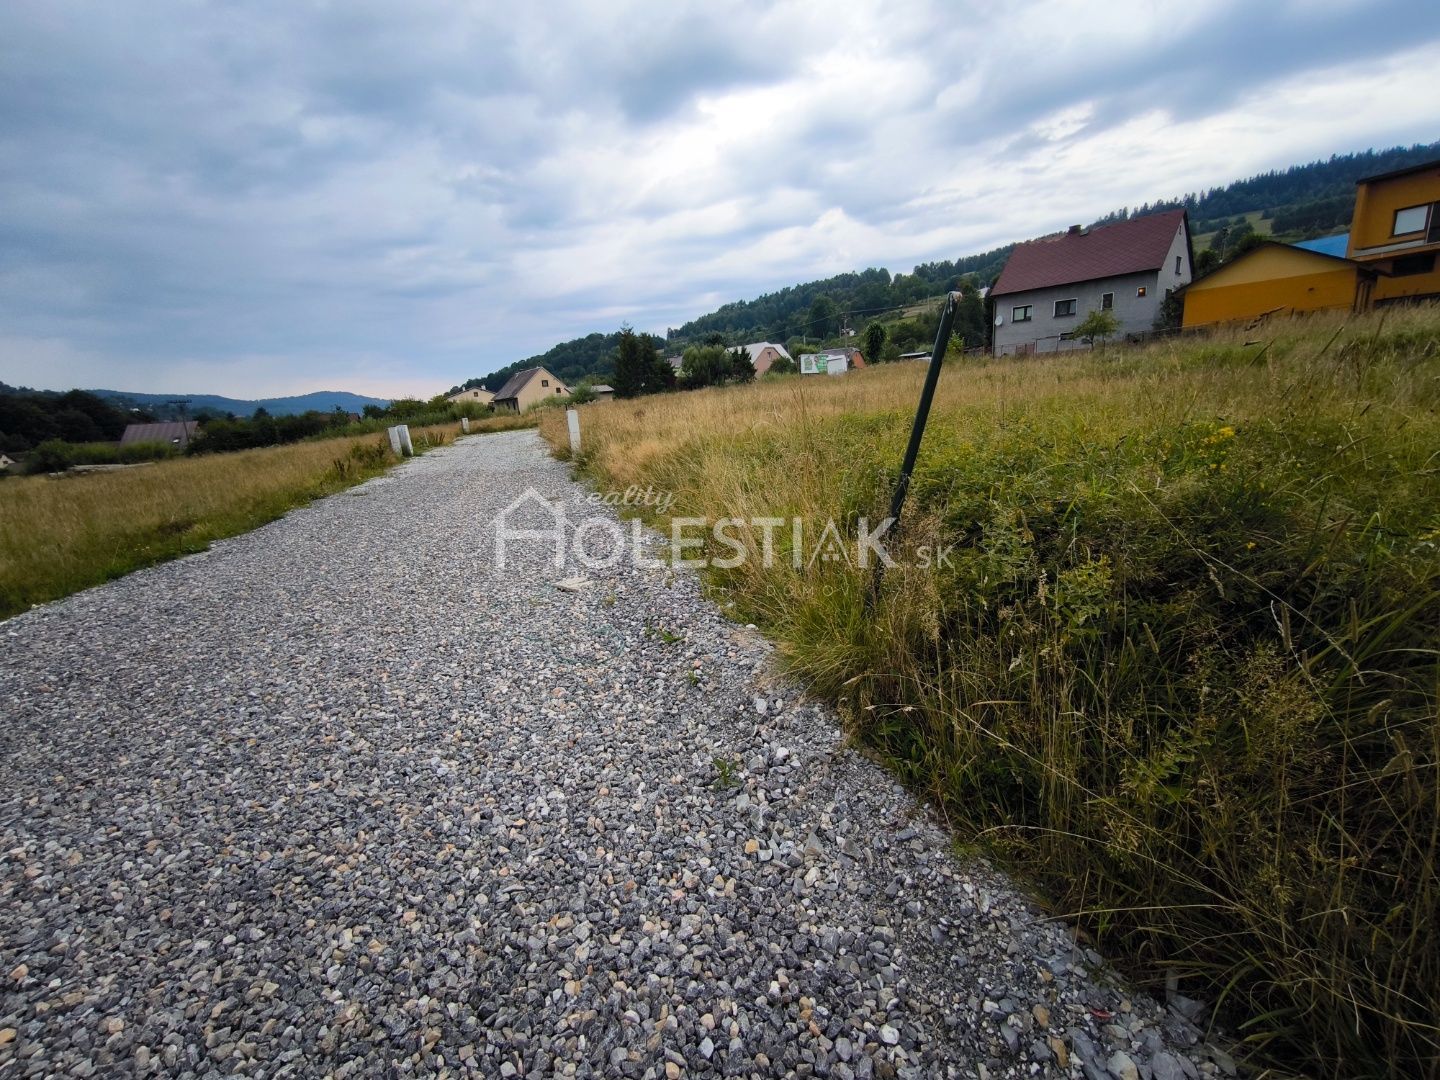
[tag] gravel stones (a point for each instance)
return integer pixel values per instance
(340, 796)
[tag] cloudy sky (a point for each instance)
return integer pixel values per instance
(278, 196)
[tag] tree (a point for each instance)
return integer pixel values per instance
(639, 367)
(583, 394)
(970, 314)
(742, 368)
(631, 367)
(824, 320)
(1205, 262)
(1098, 325)
(874, 342)
(782, 365)
(704, 365)
(1247, 242)
(659, 375)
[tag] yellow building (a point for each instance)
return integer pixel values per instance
(1276, 279)
(1396, 231)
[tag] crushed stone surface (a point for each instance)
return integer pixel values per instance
(342, 797)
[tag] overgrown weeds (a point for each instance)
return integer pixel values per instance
(1180, 664)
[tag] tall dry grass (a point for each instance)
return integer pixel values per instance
(64, 533)
(1181, 667)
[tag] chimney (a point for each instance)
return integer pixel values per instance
(1074, 230)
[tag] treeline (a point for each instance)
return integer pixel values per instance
(225, 435)
(31, 417)
(1273, 191)
(1315, 216)
(51, 432)
(220, 436)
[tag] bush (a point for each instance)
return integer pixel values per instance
(57, 456)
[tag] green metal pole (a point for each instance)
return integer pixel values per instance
(917, 432)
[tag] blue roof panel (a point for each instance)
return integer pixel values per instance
(1328, 245)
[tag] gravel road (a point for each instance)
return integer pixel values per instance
(339, 797)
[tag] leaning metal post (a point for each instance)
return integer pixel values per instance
(917, 432)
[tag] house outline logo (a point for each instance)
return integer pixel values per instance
(504, 534)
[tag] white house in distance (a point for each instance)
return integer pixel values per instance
(1049, 285)
(477, 395)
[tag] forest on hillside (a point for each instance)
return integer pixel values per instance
(1301, 201)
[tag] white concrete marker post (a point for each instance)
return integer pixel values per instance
(573, 417)
(405, 443)
(394, 433)
(465, 425)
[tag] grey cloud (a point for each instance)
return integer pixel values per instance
(203, 182)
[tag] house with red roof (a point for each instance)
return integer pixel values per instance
(1049, 285)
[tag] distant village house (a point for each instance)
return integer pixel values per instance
(764, 353)
(177, 434)
(476, 395)
(1049, 285)
(527, 388)
(1395, 231)
(1387, 257)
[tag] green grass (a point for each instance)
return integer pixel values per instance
(1181, 671)
(1260, 224)
(62, 534)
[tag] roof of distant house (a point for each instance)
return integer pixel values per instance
(516, 383)
(676, 362)
(601, 388)
(755, 348)
(176, 432)
(1328, 245)
(1126, 247)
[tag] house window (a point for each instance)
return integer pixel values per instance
(1178, 263)
(544, 382)
(557, 389)
(1064, 307)
(1406, 265)
(1140, 291)
(1411, 219)
(1107, 301)
(1020, 314)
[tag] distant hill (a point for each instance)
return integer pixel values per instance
(1297, 203)
(198, 404)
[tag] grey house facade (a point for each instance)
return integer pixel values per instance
(1049, 285)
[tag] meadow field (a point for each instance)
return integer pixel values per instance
(60, 534)
(1180, 671)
